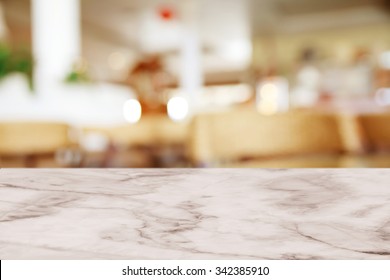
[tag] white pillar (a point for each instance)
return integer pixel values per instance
(191, 74)
(56, 42)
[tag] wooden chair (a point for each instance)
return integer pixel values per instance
(246, 138)
(376, 129)
(24, 144)
(376, 132)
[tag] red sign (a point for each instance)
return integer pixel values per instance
(166, 13)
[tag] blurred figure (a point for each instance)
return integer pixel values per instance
(358, 81)
(149, 80)
(306, 92)
(350, 81)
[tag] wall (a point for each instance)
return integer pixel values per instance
(340, 44)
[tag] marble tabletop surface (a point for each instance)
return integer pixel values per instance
(194, 214)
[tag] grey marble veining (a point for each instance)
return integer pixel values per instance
(194, 214)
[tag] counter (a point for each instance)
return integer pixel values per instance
(194, 214)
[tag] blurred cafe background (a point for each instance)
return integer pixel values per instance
(194, 83)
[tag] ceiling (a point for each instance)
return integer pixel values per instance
(117, 20)
(225, 26)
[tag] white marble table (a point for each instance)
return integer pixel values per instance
(194, 214)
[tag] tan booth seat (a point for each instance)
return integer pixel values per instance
(150, 130)
(32, 144)
(244, 138)
(140, 143)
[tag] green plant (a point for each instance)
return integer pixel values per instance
(79, 73)
(75, 77)
(16, 62)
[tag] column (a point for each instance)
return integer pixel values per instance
(56, 42)
(191, 75)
